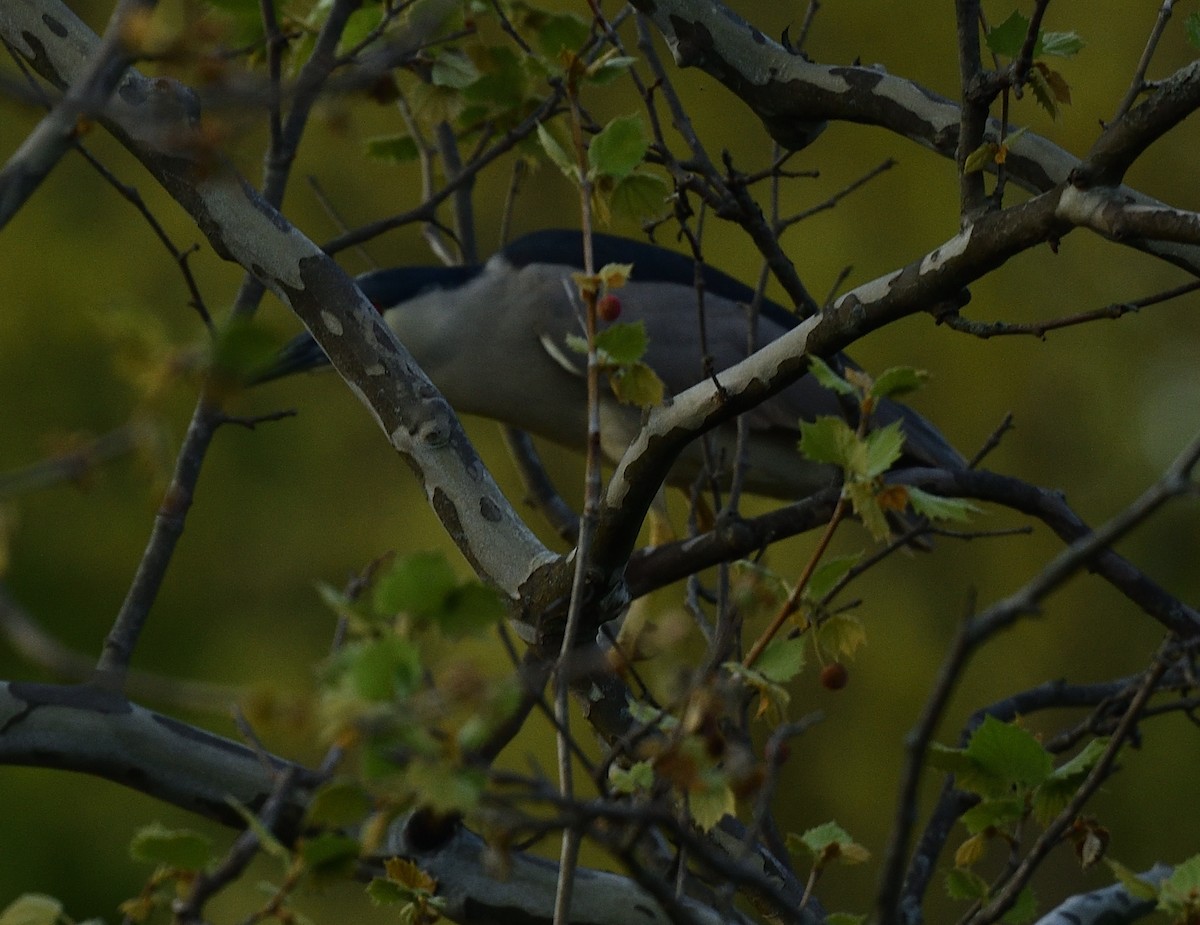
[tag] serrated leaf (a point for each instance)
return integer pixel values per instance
(1009, 752)
(842, 635)
(179, 848)
(867, 507)
(623, 343)
(615, 275)
(884, 446)
(651, 716)
(826, 575)
(1191, 28)
(619, 147)
(1134, 883)
(1059, 44)
(824, 374)
(993, 814)
(385, 893)
(556, 154)
(453, 69)
(951, 760)
(379, 671)
(782, 659)
(639, 196)
(32, 909)
(1042, 91)
(965, 885)
(898, 380)
(935, 507)
(1181, 890)
(827, 843)
(1008, 37)
(417, 584)
(393, 149)
(637, 778)
(982, 157)
(407, 874)
(710, 804)
(1058, 86)
(637, 384)
(832, 440)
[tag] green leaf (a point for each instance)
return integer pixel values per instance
(709, 804)
(502, 80)
(562, 32)
(1179, 894)
(379, 671)
(386, 893)
(935, 507)
(829, 573)
(884, 447)
(392, 149)
(825, 375)
(1008, 37)
(557, 155)
(179, 848)
(32, 909)
(1059, 44)
(831, 440)
(609, 68)
(1134, 884)
(866, 506)
(1191, 27)
(242, 347)
(651, 716)
(844, 918)
(637, 778)
(827, 843)
(982, 157)
(637, 384)
(453, 69)
(418, 584)
(623, 343)
(782, 659)
(898, 380)
(1023, 910)
(965, 884)
(445, 789)
(471, 609)
(330, 852)
(619, 148)
(1053, 795)
(842, 635)
(1009, 752)
(988, 814)
(1043, 92)
(339, 804)
(359, 26)
(639, 196)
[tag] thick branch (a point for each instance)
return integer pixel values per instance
(790, 93)
(156, 120)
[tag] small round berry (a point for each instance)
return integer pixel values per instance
(834, 676)
(608, 308)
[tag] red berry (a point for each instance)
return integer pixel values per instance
(608, 308)
(834, 676)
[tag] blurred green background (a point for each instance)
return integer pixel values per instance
(85, 288)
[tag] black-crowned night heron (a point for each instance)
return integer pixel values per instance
(493, 338)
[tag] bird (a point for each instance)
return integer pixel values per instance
(493, 338)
